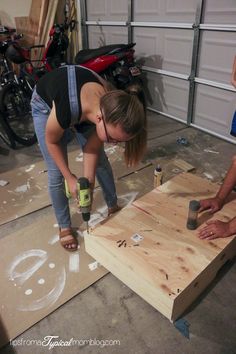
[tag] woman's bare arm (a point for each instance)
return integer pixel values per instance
(92, 150)
(53, 136)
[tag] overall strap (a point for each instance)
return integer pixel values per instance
(73, 98)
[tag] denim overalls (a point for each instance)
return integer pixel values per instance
(40, 112)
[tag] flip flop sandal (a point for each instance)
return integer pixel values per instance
(67, 238)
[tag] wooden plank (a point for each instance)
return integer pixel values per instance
(34, 15)
(170, 266)
(49, 21)
(184, 165)
(42, 16)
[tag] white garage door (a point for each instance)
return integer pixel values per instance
(187, 48)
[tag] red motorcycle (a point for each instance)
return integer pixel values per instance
(53, 55)
(114, 62)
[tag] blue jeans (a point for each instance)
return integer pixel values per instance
(104, 174)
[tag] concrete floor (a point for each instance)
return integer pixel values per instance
(110, 310)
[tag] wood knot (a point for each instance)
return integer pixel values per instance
(180, 259)
(185, 269)
(190, 250)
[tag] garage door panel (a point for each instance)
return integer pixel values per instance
(169, 95)
(107, 10)
(169, 10)
(167, 49)
(214, 109)
(218, 11)
(102, 35)
(214, 64)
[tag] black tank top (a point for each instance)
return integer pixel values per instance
(54, 87)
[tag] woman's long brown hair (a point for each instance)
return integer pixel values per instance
(128, 109)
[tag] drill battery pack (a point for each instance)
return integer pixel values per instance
(83, 192)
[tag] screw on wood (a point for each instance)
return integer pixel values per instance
(121, 243)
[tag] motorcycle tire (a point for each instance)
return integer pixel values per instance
(16, 112)
(6, 134)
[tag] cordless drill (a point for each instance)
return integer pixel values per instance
(84, 198)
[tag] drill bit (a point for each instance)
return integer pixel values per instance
(87, 225)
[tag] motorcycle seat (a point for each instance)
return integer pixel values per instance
(85, 55)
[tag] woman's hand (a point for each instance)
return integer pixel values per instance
(215, 229)
(211, 204)
(233, 77)
(72, 186)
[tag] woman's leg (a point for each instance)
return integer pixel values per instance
(40, 112)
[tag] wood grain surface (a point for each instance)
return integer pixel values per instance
(170, 266)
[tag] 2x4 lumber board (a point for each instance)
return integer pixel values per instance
(184, 165)
(49, 21)
(34, 15)
(42, 16)
(171, 266)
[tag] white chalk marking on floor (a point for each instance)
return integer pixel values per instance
(22, 189)
(211, 151)
(51, 265)
(41, 281)
(53, 240)
(79, 158)
(28, 292)
(21, 277)
(37, 186)
(79, 233)
(50, 298)
(30, 168)
(111, 149)
(3, 183)
(208, 175)
(93, 266)
(101, 213)
(74, 263)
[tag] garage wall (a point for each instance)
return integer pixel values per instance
(186, 47)
(13, 8)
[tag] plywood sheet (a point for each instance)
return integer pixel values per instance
(169, 266)
(27, 191)
(38, 275)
